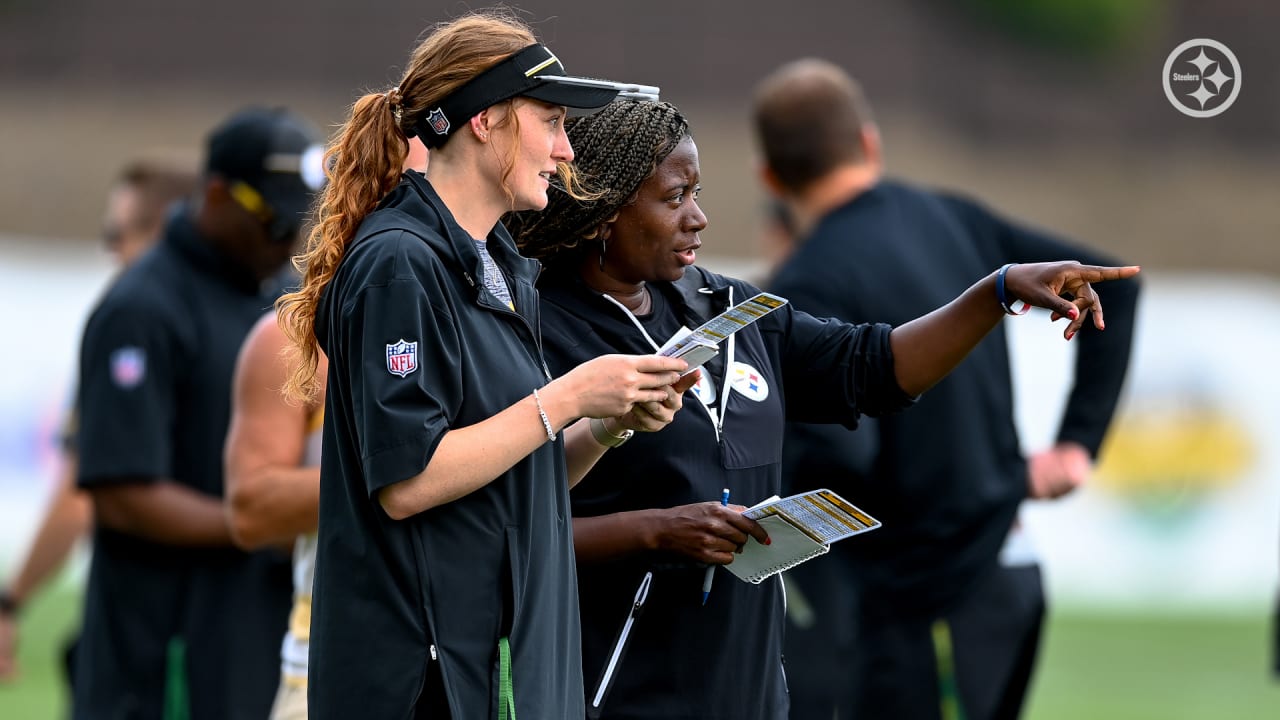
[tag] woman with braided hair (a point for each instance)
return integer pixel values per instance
(444, 581)
(620, 277)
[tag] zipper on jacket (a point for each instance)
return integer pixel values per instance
(538, 330)
(504, 310)
(725, 386)
(642, 594)
(426, 671)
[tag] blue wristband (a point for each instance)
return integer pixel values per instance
(1003, 298)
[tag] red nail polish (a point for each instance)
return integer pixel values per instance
(768, 541)
(1070, 335)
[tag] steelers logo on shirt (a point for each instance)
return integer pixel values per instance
(748, 382)
(705, 390)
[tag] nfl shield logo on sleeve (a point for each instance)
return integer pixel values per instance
(128, 367)
(402, 357)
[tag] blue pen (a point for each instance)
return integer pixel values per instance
(711, 569)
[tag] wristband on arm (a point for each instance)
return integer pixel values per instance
(1006, 301)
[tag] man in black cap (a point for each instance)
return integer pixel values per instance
(178, 622)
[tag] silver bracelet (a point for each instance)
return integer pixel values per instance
(606, 438)
(546, 422)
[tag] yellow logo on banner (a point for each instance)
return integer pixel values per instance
(1184, 449)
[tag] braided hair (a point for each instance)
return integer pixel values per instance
(617, 148)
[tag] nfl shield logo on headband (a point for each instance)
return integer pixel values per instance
(438, 122)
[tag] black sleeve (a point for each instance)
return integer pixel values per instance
(126, 397)
(834, 371)
(826, 455)
(404, 375)
(1102, 357)
(831, 456)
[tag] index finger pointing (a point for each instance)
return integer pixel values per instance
(1100, 273)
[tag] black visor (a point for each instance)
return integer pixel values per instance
(533, 72)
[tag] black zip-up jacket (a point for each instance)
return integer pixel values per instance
(416, 346)
(684, 660)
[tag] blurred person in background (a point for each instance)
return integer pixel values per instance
(777, 236)
(937, 614)
(273, 478)
(135, 214)
(273, 487)
(620, 278)
(178, 622)
(444, 578)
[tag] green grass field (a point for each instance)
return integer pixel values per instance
(1092, 667)
(1144, 667)
(39, 693)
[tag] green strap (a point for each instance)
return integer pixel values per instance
(948, 692)
(506, 689)
(177, 705)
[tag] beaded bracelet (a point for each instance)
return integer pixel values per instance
(546, 422)
(1003, 298)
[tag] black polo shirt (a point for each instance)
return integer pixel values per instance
(722, 661)
(417, 346)
(947, 477)
(155, 398)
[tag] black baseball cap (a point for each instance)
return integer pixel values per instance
(278, 155)
(532, 72)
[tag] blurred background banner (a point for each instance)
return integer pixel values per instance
(1051, 111)
(1183, 513)
(47, 287)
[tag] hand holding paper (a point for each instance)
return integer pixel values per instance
(801, 527)
(698, 346)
